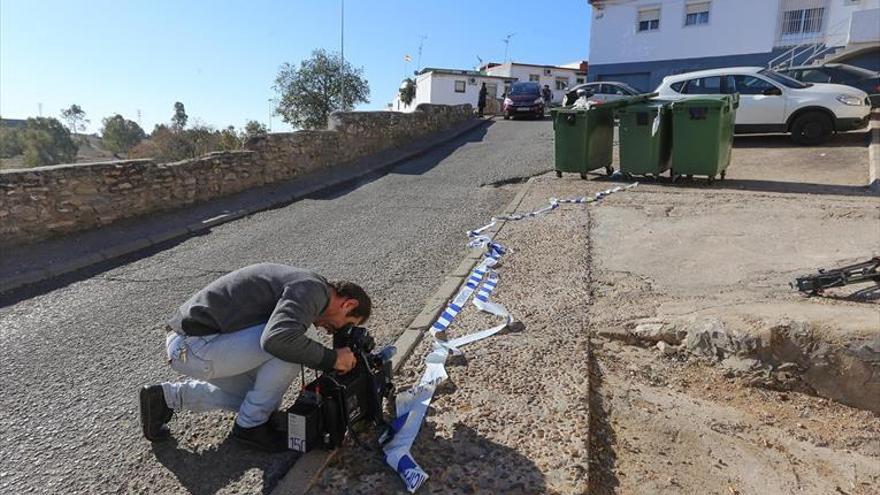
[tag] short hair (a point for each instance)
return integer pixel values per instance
(351, 290)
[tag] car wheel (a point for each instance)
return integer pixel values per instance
(811, 128)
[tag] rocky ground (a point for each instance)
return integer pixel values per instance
(513, 418)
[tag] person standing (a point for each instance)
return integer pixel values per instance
(481, 100)
(547, 95)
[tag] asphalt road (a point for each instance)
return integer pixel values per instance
(74, 355)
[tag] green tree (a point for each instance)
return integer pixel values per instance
(164, 145)
(10, 142)
(178, 120)
(320, 85)
(121, 135)
(47, 142)
(407, 91)
(75, 117)
(229, 140)
(254, 128)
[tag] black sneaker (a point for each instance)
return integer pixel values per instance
(262, 437)
(155, 413)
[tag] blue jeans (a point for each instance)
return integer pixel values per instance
(231, 371)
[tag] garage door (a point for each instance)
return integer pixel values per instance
(638, 80)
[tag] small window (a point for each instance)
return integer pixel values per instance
(534, 77)
(677, 86)
(561, 83)
(649, 19)
(747, 85)
(703, 86)
(802, 21)
(815, 76)
(696, 13)
(459, 86)
(613, 89)
(548, 72)
(579, 80)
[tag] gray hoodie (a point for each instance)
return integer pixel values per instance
(287, 299)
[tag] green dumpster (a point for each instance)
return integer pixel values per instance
(583, 139)
(645, 137)
(702, 135)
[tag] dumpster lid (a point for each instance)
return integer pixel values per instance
(711, 101)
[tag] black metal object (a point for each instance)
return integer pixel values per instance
(838, 277)
(328, 407)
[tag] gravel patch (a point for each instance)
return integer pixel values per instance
(513, 416)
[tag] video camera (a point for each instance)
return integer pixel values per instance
(328, 407)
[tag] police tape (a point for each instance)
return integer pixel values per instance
(412, 405)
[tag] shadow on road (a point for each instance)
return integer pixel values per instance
(603, 457)
(844, 140)
(467, 462)
(414, 166)
(207, 472)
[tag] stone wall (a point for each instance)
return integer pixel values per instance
(40, 202)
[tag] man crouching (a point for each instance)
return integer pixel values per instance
(243, 339)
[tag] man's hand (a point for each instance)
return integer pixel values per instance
(345, 360)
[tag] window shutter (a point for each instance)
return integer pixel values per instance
(696, 8)
(649, 15)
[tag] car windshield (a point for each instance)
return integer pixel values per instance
(855, 71)
(783, 80)
(525, 89)
(630, 89)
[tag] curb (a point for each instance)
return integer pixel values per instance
(305, 472)
(874, 155)
(310, 186)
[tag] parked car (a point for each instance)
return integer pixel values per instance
(849, 75)
(772, 103)
(600, 92)
(524, 98)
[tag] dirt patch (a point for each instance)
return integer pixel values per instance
(514, 415)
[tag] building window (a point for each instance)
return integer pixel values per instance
(548, 72)
(649, 19)
(579, 80)
(459, 86)
(534, 77)
(696, 13)
(561, 83)
(802, 21)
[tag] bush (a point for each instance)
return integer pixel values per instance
(10, 142)
(121, 135)
(46, 142)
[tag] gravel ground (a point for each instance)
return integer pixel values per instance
(514, 418)
(75, 352)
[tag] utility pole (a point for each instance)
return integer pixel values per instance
(139, 117)
(270, 101)
(342, 52)
(419, 59)
(40, 108)
(506, 42)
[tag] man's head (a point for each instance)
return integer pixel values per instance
(349, 305)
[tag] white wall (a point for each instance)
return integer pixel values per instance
(735, 27)
(865, 27)
(522, 73)
(845, 16)
(439, 89)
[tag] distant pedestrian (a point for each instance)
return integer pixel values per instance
(547, 95)
(481, 100)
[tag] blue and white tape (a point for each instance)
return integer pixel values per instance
(412, 404)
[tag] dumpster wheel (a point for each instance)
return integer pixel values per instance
(584, 175)
(558, 174)
(609, 170)
(723, 174)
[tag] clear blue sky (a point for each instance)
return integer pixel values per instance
(220, 58)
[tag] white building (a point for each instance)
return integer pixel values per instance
(451, 87)
(558, 77)
(641, 41)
